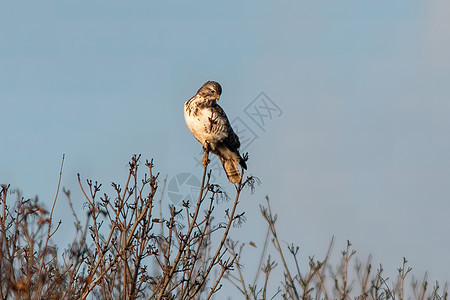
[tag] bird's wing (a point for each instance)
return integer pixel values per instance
(231, 140)
(218, 124)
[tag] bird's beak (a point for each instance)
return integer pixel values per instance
(217, 97)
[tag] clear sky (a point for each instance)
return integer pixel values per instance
(359, 147)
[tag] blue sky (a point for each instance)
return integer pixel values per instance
(360, 151)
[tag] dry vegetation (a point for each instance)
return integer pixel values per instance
(129, 246)
(321, 280)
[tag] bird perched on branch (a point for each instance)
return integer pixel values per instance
(210, 126)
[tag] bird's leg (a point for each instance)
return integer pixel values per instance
(205, 160)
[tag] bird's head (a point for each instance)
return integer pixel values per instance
(210, 91)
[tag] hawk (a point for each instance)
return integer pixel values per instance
(210, 126)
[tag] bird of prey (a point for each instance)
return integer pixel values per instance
(210, 126)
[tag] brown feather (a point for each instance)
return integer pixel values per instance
(231, 170)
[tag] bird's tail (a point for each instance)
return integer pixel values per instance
(230, 167)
